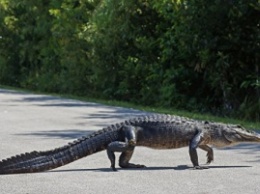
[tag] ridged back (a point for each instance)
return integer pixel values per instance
(158, 118)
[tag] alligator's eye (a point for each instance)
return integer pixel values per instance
(239, 126)
(249, 131)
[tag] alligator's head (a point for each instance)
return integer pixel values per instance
(237, 134)
(225, 135)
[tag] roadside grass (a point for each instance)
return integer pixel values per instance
(171, 111)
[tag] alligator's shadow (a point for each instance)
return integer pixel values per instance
(180, 167)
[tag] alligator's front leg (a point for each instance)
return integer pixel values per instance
(127, 149)
(193, 150)
(209, 150)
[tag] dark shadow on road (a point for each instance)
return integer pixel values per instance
(5, 91)
(245, 146)
(156, 168)
(82, 170)
(113, 112)
(185, 167)
(110, 170)
(216, 167)
(55, 101)
(246, 149)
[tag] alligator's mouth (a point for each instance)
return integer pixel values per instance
(237, 134)
(250, 136)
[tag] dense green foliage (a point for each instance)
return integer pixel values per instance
(194, 55)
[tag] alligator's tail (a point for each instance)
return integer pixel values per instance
(47, 160)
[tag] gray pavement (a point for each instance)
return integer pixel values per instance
(38, 122)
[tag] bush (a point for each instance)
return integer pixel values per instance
(195, 55)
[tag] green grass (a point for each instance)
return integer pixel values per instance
(194, 115)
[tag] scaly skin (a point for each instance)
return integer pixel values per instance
(155, 131)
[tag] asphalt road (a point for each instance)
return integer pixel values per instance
(38, 122)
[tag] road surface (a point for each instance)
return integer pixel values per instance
(39, 122)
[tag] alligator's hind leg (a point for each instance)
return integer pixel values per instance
(125, 158)
(113, 147)
(127, 149)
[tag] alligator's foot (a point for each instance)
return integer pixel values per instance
(131, 165)
(113, 168)
(200, 167)
(209, 157)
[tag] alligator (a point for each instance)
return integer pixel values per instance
(154, 131)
